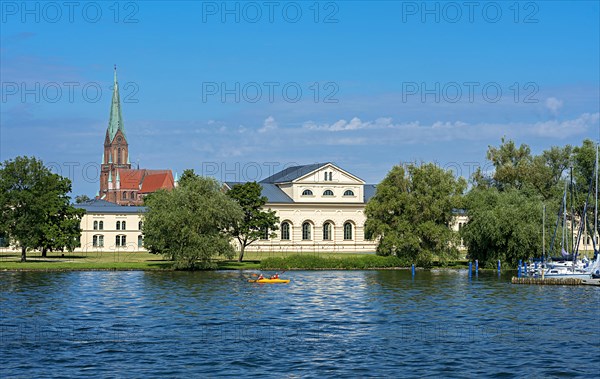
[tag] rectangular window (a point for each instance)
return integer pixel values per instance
(101, 241)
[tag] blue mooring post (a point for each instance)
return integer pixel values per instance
(519, 272)
(413, 270)
(470, 269)
(524, 268)
(476, 267)
(499, 266)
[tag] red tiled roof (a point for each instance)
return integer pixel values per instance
(155, 181)
(131, 179)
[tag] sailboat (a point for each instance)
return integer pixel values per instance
(569, 266)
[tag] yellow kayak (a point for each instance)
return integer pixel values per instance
(265, 280)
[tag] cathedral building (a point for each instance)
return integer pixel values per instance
(119, 183)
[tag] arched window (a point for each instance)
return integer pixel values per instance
(140, 241)
(264, 234)
(122, 225)
(140, 225)
(325, 176)
(285, 231)
(101, 225)
(330, 176)
(307, 192)
(328, 193)
(119, 155)
(349, 193)
(118, 225)
(132, 195)
(306, 231)
(347, 231)
(327, 231)
(98, 240)
(95, 225)
(120, 240)
(124, 195)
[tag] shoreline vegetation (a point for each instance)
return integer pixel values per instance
(256, 261)
(143, 261)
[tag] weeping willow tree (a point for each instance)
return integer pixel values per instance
(191, 224)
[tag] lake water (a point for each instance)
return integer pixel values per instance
(322, 324)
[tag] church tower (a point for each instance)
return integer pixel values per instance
(116, 150)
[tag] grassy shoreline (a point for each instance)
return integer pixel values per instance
(143, 261)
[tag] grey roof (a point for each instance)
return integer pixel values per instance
(293, 173)
(369, 191)
(273, 193)
(103, 206)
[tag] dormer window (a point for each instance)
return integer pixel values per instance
(348, 193)
(328, 193)
(307, 192)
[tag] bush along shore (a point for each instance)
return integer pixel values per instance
(308, 262)
(142, 261)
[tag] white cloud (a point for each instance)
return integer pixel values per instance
(553, 104)
(384, 130)
(567, 128)
(354, 124)
(268, 125)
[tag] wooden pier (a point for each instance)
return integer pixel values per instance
(547, 281)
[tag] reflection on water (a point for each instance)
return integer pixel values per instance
(332, 323)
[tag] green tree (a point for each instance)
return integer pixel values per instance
(79, 199)
(503, 225)
(35, 207)
(256, 222)
(62, 231)
(411, 213)
(511, 164)
(191, 224)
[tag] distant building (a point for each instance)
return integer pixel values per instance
(320, 207)
(119, 183)
(107, 226)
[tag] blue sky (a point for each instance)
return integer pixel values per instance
(237, 90)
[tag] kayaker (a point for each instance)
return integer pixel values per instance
(276, 276)
(260, 277)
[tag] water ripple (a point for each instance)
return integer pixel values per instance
(332, 323)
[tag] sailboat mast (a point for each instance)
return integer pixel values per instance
(572, 214)
(596, 205)
(544, 233)
(564, 223)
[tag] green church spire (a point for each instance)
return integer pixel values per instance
(115, 123)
